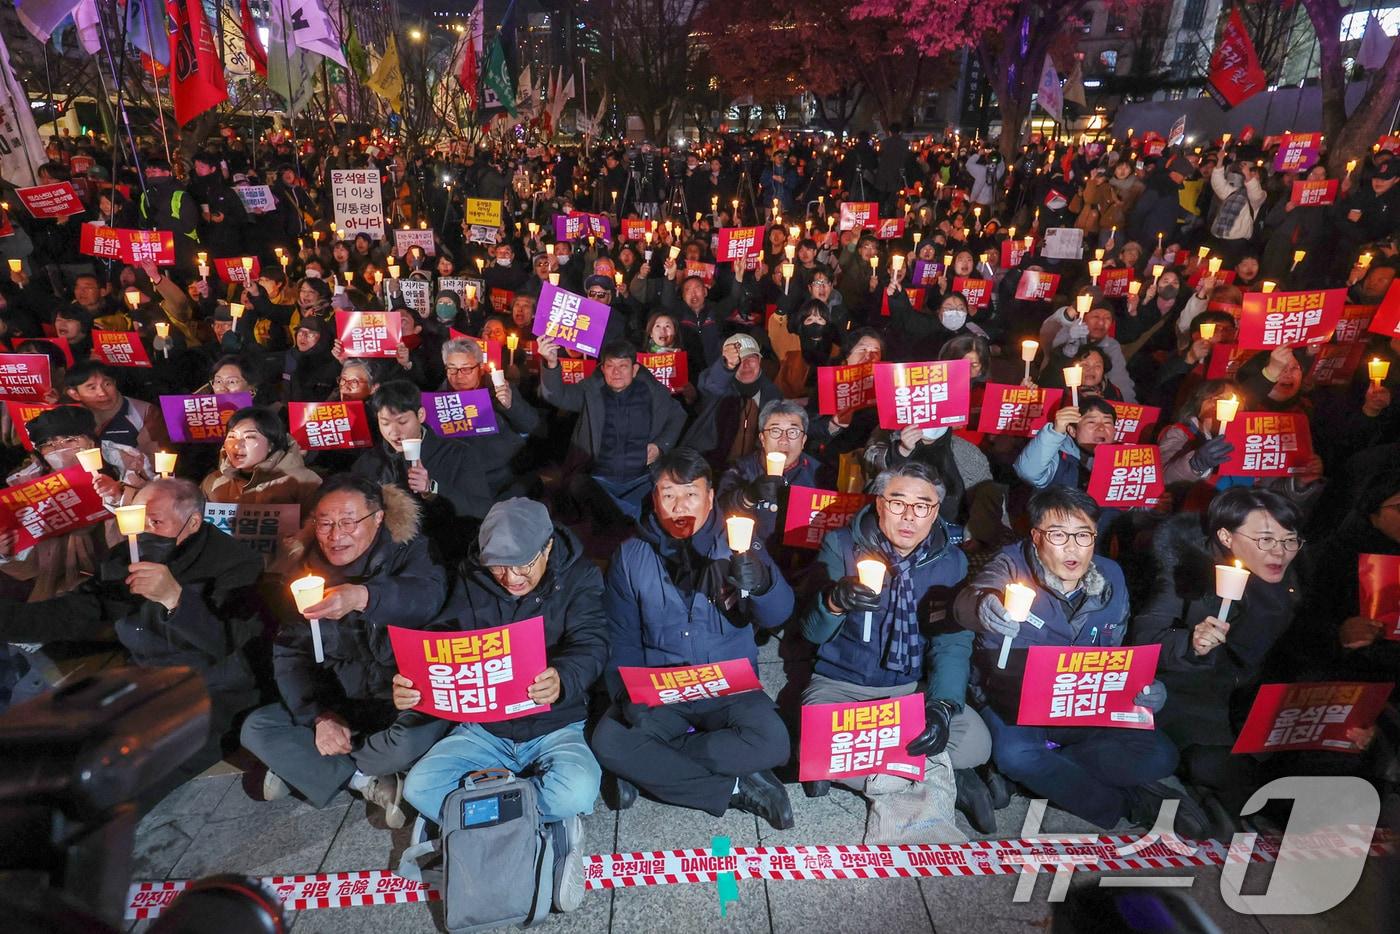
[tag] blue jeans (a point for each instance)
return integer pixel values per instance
(1092, 772)
(561, 767)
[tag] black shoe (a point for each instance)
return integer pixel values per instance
(996, 784)
(819, 789)
(1147, 800)
(762, 794)
(975, 801)
(618, 793)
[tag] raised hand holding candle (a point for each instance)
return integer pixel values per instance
(788, 269)
(498, 377)
(1134, 288)
(1082, 304)
(16, 265)
(1157, 270)
(1017, 601)
(1028, 352)
(235, 311)
(1074, 376)
(1378, 369)
(1297, 258)
(131, 522)
(412, 449)
(307, 592)
(1225, 411)
(165, 463)
(739, 529)
(1214, 265)
(871, 572)
(1095, 270)
(897, 262)
(90, 459)
(1229, 586)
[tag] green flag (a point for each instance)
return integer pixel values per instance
(356, 56)
(496, 76)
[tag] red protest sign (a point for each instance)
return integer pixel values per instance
(857, 215)
(1087, 687)
(915, 296)
(1037, 286)
(842, 389)
(1132, 421)
(119, 348)
(811, 513)
(706, 271)
(1016, 410)
(1353, 323)
(1297, 152)
(635, 229)
(978, 292)
(1335, 364)
(60, 342)
(888, 228)
(573, 370)
(1126, 476)
(1225, 360)
(1013, 251)
(129, 246)
(24, 376)
(1313, 193)
(1223, 277)
(236, 269)
(329, 426)
(735, 243)
(368, 333)
(1114, 282)
(81, 165)
(475, 676)
(51, 505)
(1268, 444)
(1379, 578)
(21, 412)
(1387, 317)
(56, 200)
(861, 738)
(1311, 715)
(669, 367)
(657, 687)
(500, 299)
(929, 395)
(1286, 319)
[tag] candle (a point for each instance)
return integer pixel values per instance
(203, 271)
(1029, 242)
(131, 522)
(790, 250)
(740, 532)
(412, 449)
(162, 329)
(1266, 286)
(1074, 375)
(553, 280)
(774, 463)
(917, 237)
(1378, 369)
(1229, 586)
(1095, 269)
(1157, 270)
(1298, 258)
(16, 265)
(279, 251)
(874, 264)
(1017, 601)
(512, 342)
(947, 261)
(795, 231)
(675, 253)
(1203, 252)
(897, 262)
(133, 298)
(617, 277)
(1098, 254)
(787, 269)
(1351, 166)
(498, 377)
(1214, 265)
(1207, 330)
(1028, 351)
(307, 592)
(202, 257)
(248, 268)
(1134, 288)
(1364, 261)
(393, 271)
(471, 289)
(1225, 411)
(284, 260)
(871, 572)
(90, 459)
(235, 311)
(316, 237)
(1082, 304)
(165, 463)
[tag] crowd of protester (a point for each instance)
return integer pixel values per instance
(599, 505)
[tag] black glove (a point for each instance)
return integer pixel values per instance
(938, 719)
(1211, 455)
(764, 489)
(749, 575)
(849, 594)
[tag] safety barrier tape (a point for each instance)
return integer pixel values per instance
(1105, 853)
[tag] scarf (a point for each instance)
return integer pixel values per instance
(904, 645)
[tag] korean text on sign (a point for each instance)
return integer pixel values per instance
(571, 320)
(811, 513)
(24, 376)
(460, 414)
(1279, 319)
(320, 426)
(1316, 715)
(861, 738)
(201, 419)
(51, 505)
(842, 389)
(670, 368)
(477, 676)
(1087, 686)
(1132, 421)
(928, 395)
(368, 333)
(358, 202)
(261, 526)
(657, 687)
(1268, 444)
(1016, 410)
(1126, 475)
(119, 348)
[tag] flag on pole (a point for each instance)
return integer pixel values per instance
(1375, 45)
(1074, 86)
(89, 23)
(1177, 136)
(524, 92)
(42, 17)
(252, 44)
(496, 76)
(196, 77)
(468, 64)
(291, 72)
(387, 80)
(1235, 74)
(1049, 93)
(311, 29)
(23, 151)
(145, 29)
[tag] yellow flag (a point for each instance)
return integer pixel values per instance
(387, 80)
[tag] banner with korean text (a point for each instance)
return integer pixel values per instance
(929, 395)
(1126, 476)
(842, 389)
(1279, 319)
(477, 676)
(48, 506)
(1312, 715)
(329, 426)
(570, 320)
(119, 348)
(460, 414)
(1016, 410)
(861, 738)
(129, 246)
(358, 203)
(1268, 444)
(1087, 687)
(670, 368)
(368, 333)
(657, 687)
(811, 513)
(201, 419)
(24, 377)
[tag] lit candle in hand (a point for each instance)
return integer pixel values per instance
(1229, 586)
(1017, 600)
(871, 572)
(307, 592)
(131, 522)
(740, 532)
(1074, 377)
(1378, 369)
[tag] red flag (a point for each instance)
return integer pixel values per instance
(1235, 74)
(468, 74)
(196, 78)
(251, 41)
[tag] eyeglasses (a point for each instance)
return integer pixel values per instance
(597, 294)
(236, 382)
(348, 526)
(899, 507)
(1058, 537)
(1269, 543)
(501, 570)
(458, 370)
(778, 434)
(353, 382)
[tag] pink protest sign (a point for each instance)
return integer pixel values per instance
(670, 368)
(1087, 687)
(842, 389)
(811, 513)
(1126, 476)
(368, 333)
(736, 243)
(930, 395)
(1016, 410)
(1315, 715)
(1284, 319)
(857, 215)
(861, 738)
(1268, 444)
(657, 687)
(24, 377)
(477, 676)
(570, 320)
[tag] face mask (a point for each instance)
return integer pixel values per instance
(933, 434)
(564, 258)
(446, 311)
(813, 332)
(502, 262)
(953, 320)
(1169, 291)
(156, 548)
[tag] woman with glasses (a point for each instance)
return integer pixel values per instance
(335, 724)
(1212, 666)
(260, 463)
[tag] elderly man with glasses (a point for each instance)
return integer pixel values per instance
(749, 487)
(1100, 774)
(909, 638)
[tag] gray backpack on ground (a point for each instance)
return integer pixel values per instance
(493, 862)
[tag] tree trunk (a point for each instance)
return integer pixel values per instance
(1326, 16)
(1365, 124)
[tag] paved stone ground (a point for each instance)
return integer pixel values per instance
(215, 823)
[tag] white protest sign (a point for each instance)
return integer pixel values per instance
(415, 294)
(358, 202)
(405, 238)
(1063, 243)
(256, 198)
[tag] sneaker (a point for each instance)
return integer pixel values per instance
(618, 793)
(568, 871)
(975, 801)
(273, 787)
(386, 791)
(762, 794)
(1148, 800)
(817, 789)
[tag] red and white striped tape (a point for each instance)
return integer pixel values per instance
(1106, 853)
